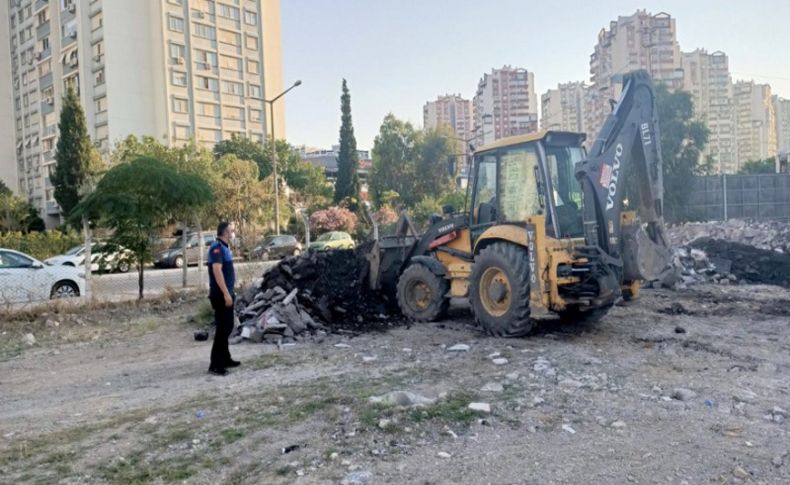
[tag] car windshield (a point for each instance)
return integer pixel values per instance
(75, 250)
(325, 237)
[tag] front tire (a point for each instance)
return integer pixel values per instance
(422, 295)
(499, 290)
(178, 262)
(64, 289)
(124, 267)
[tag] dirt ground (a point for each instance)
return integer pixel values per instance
(683, 387)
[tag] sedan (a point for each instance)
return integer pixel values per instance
(105, 257)
(333, 240)
(276, 247)
(24, 279)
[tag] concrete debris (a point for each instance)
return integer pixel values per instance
(492, 387)
(739, 472)
(444, 454)
(358, 478)
(481, 407)
(730, 252)
(401, 398)
(459, 348)
(30, 339)
(499, 361)
(568, 428)
(316, 293)
(682, 394)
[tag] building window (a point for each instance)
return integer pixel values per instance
(99, 78)
(250, 18)
(230, 38)
(205, 60)
(42, 17)
(180, 105)
(181, 132)
(97, 21)
(176, 24)
(208, 109)
(228, 11)
(177, 53)
(207, 134)
(205, 31)
(45, 67)
(255, 91)
(253, 67)
(207, 83)
(231, 87)
(179, 78)
(255, 115)
(233, 113)
(101, 105)
(252, 42)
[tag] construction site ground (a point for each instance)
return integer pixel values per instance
(686, 386)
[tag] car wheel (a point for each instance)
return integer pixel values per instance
(179, 262)
(65, 289)
(422, 295)
(297, 252)
(69, 264)
(124, 267)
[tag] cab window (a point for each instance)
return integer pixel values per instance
(566, 189)
(518, 185)
(485, 210)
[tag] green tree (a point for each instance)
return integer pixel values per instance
(137, 199)
(247, 149)
(77, 161)
(751, 167)
(347, 184)
(433, 175)
(395, 154)
(683, 140)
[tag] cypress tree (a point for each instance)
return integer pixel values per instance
(347, 184)
(74, 154)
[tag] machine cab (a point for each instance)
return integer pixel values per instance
(526, 175)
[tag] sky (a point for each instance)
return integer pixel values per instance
(398, 54)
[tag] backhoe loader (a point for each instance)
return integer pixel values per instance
(544, 228)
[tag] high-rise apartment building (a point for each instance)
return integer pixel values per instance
(755, 121)
(173, 69)
(8, 174)
(565, 108)
(638, 41)
(506, 104)
(450, 110)
(707, 77)
(782, 112)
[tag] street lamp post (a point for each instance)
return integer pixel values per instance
(270, 102)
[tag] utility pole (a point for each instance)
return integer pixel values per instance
(274, 156)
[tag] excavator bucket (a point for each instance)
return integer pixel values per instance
(644, 259)
(388, 254)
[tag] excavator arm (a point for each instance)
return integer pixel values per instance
(627, 150)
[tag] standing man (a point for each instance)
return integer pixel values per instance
(222, 279)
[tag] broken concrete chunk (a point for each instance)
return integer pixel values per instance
(401, 398)
(459, 348)
(481, 407)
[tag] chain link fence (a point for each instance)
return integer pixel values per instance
(26, 281)
(723, 197)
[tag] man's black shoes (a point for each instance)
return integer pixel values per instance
(217, 371)
(233, 363)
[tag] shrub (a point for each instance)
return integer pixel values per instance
(333, 219)
(41, 245)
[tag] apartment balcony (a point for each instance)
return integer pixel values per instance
(49, 131)
(47, 106)
(228, 24)
(97, 35)
(101, 118)
(53, 209)
(43, 30)
(68, 39)
(40, 4)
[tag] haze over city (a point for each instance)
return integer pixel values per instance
(397, 56)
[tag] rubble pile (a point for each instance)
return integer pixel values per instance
(317, 292)
(769, 235)
(708, 260)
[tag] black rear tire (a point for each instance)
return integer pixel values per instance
(422, 295)
(499, 290)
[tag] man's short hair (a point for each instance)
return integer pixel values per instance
(222, 227)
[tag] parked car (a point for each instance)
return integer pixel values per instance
(24, 278)
(173, 257)
(333, 240)
(275, 247)
(105, 257)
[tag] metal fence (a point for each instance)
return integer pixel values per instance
(722, 197)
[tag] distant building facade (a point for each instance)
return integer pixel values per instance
(755, 121)
(452, 111)
(565, 108)
(782, 112)
(707, 77)
(176, 70)
(505, 104)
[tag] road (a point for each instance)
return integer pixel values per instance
(121, 286)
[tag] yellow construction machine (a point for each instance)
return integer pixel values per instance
(544, 228)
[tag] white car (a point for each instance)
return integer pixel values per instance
(24, 279)
(104, 257)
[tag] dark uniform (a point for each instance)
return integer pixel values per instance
(219, 252)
